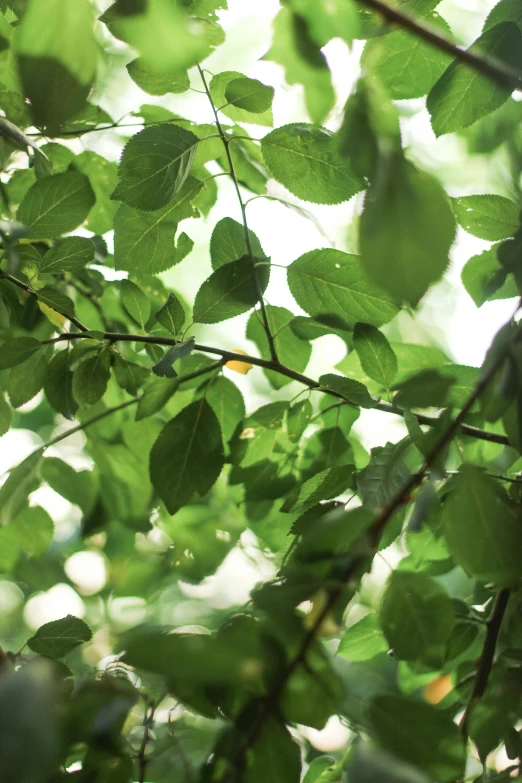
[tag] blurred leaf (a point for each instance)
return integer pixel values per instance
(481, 528)
(462, 95)
(304, 63)
(363, 640)
(419, 734)
(406, 231)
(56, 205)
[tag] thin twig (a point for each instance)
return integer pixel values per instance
(248, 243)
(494, 69)
(487, 657)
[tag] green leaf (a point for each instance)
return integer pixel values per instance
(384, 476)
(58, 385)
(303, 61)
(155, 396)
(260, 432)
(369, 763)
(71, 255)
(375, 354)
(151, 27)
(482, 528)
(325, 485)
(90, 379)
(76, 486)
(298, 419)
(404, 64)
(332, 287)
(484, 278)
(26, 379)
(364, 640)
(56, 205)
(157, 84)
(426, 389)
(416, 615)
(36, 529)
(135, 302)
(144, 242)
(487, 217)
(274, 756)
(228, 243)
(6, 416)
(351, 390)
(229, 291)
(172, 315)
(59, 637)
(303, 159)
(103, 176)
(249, 94)
(154, 165)
(187, 457)
(218, 87)
(57, 55)
(56, 300)
(15, 491)
(419, 734)
(227, 403)
(164, 367)
(291, 351)
(18, 350)
(462, 95)
(328, 19)
(130, 375)
(406, 230)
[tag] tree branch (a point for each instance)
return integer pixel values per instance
(487, 657)
(268, 364)
(259, 292)
(357, 567)
(494, 69)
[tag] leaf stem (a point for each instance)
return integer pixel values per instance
(494, 69)
(266, 324)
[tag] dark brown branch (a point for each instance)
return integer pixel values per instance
(268, 364)
(494, 69)
(487, 657)
(259, 292)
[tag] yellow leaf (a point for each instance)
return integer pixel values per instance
(237, 365)
(436, 690)
(57, 319)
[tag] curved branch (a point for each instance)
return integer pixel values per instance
(268, 364)
(494, 69)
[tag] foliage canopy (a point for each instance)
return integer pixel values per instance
(155, 458)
